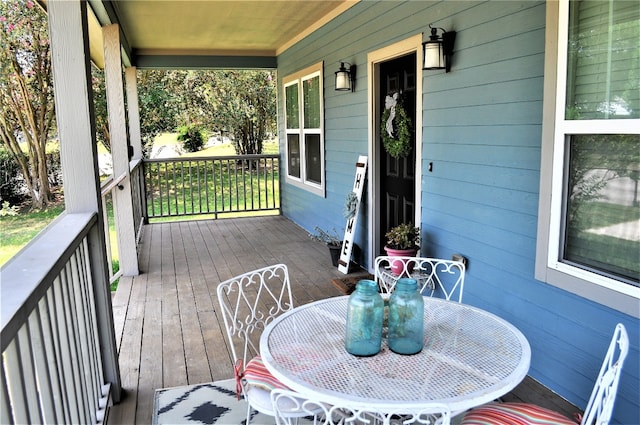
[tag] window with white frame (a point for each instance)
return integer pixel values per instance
(590, 206)
(304, 123)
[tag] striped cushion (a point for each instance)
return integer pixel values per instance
(514, 414)
(257, 374)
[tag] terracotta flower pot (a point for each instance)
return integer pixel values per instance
(397, 266)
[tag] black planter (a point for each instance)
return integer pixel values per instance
(334, 250)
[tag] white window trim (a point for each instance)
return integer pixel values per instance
(603, 290)
(297, 78)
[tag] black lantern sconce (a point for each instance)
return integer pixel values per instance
(346, 78)
(438, 50)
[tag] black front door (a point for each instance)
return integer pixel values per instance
(397, 175)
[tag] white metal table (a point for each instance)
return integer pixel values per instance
(470, 357)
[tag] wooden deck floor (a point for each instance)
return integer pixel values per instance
(166, 321)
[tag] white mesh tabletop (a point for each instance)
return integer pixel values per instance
(470, 357)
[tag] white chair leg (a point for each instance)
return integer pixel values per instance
(248, 414)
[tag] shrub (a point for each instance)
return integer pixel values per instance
(191, 137)
(12, 187)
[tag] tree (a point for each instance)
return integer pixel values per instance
(100, 107)
(159, 96)
(242, 103)
(26, 92)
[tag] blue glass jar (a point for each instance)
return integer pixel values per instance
(406, 318)
(364, 320)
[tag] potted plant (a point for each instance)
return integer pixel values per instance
(402, 241)
(332, 240)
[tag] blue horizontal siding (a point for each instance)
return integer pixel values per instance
(482, 134)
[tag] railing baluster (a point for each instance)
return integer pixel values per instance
(78, 360)
(176, 188)
(160, 187)
(55, 307)
(182, 188)
(250, 186)
(258, 170)
(41, 367)
(68, 350)
(28, 367)
(6, 413)
(86, 331)
(15, 375)
(235, 173)
(222, 188)
(46, 318)
(199, 188)
(206, 185)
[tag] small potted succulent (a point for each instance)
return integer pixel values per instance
(402, 241)
(332, 240)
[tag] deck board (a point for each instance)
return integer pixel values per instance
(166, 319)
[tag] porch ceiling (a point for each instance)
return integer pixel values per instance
(161, 32)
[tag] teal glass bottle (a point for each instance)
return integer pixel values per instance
(364, 320)
(406, 318)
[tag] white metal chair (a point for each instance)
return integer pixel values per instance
(599, 408)
(248, 303)
(435, 276)
(324, 414)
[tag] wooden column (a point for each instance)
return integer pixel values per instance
(122, 199)
(135, 137)
(69, 36)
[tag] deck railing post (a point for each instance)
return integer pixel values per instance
(122, 202)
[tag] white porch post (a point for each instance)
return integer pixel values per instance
(135, 134)
(135, 137)
(69, 36)
(122, 199)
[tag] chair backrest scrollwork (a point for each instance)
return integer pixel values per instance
(436, 277)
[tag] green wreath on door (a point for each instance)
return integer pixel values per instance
(395, 128)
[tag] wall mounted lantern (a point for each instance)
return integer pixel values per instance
(346, 78)
(438, 50)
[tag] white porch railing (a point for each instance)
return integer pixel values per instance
(52, 365)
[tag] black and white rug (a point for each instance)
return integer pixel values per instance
(204, 404)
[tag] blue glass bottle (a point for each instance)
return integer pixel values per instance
(406, 318)
(364, 320)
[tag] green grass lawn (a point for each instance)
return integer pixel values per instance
(17, 231)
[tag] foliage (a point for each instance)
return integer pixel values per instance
(159, 97)
(8, 210)
(26, 93)
(240, 103)
(330, 237)
(100, 107)
(350, 205)
(398, 145)
(11, 182)
(403, 236)
(191, 137)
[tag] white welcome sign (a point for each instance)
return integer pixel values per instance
(347, 242)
